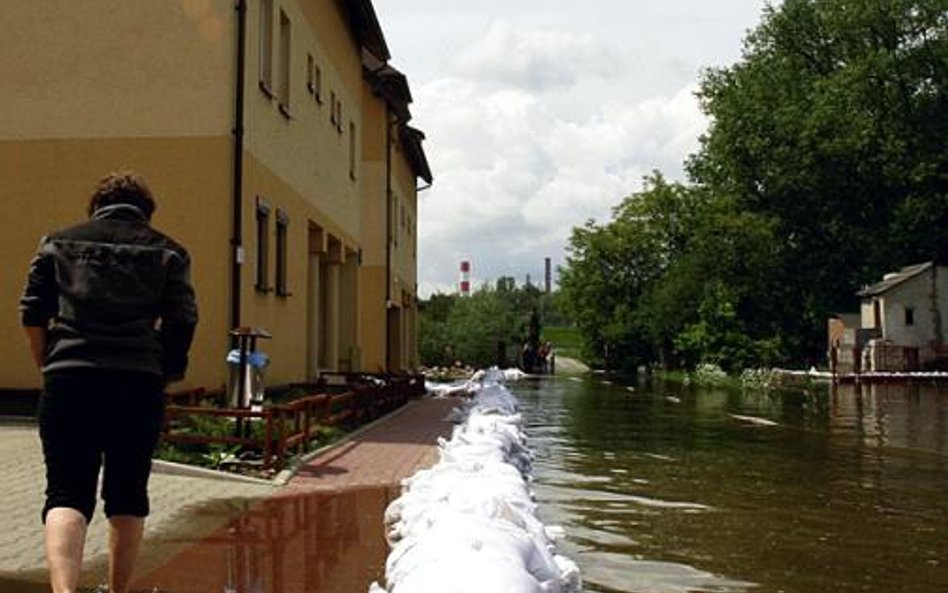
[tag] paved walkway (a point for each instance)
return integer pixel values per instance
(381, 455)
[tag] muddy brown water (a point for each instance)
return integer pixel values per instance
(665, 489)
(661, 489)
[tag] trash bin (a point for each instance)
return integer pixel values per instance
(245, 383)
(249, 392)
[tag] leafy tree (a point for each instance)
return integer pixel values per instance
(833, 125)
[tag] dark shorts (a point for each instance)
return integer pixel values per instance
(91, 416)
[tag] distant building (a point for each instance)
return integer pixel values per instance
(901, 323)
(276, 140)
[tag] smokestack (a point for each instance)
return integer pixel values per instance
(548, 270)
(464, 285)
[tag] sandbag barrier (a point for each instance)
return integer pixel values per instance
(469, 523)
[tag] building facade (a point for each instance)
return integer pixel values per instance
(900, 326)
(257, 130)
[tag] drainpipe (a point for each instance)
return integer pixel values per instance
(236, 240)
(388, 235)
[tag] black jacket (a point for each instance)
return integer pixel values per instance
(118, 293)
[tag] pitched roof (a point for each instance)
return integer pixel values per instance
(411, 140)
(365, 25)
(890, 281)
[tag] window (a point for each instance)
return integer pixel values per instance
(282, 224)
(263, 244)
(332, 108)
(310, 74)
(266, 46)
(352, 150)
(393, 223)
(909, 316)
(339, 117)
(284, 84)
(318, 83)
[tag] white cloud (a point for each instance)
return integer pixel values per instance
(536, 59)
(547, 117)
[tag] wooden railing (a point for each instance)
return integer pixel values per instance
(289, 427)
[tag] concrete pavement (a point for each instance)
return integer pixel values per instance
(381, 455)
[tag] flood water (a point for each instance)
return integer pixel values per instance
(663, 490)
(660, 488)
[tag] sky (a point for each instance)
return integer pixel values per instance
(542, 114)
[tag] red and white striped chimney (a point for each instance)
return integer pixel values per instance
(464, 285)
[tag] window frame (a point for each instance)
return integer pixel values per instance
(284, 88)
(352, 150)
(265, 50)
(262, 283)
(282, 252)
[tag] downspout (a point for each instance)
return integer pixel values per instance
(236, 240)
(388, 236)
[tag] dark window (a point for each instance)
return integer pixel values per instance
(266, 45)
(263, 245)
(284, 84)
(909, 316)
(310, 74)
(318, 82)
(352, 150)
(282, 222)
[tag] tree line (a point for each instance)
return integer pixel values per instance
(824, 166)
(487, 328)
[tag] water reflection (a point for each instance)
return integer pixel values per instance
(805, 491)
(312, 543)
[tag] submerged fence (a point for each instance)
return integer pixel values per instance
(278, 430)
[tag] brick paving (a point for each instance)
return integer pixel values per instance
(381, 455)
(384, 454)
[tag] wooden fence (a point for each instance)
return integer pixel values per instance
(289, 427)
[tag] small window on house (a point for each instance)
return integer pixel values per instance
(310, 74)
(332, 108)
(352, 150)
(263, 245)
(339, 117)
(282, 224)
(266, 46)
(284, 83)
(909, 316)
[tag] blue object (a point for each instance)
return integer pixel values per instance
(256, 360)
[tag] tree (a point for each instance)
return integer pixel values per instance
(833, 125)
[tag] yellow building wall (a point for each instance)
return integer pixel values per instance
(46, 185)
(404, 255)
(148, 85)
(372, 275)
(306, 150)
(116, 69)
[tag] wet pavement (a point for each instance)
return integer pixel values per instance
(322, 531)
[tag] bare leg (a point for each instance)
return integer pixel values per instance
(125, 541)
(65, 532)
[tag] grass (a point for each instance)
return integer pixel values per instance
(566, 340)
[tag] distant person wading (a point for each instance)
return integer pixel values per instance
(110, 314)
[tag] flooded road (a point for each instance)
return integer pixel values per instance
(661, 489)
(664, 489)
(296, 543)
(325, 542)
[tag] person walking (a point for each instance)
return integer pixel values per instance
(110, 314)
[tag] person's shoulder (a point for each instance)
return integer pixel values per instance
(169, 243)
(75, 231)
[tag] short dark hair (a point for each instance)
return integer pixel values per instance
(125, 187)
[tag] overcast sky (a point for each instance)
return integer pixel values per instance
(541, 114)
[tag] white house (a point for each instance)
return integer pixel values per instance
(906, 313)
